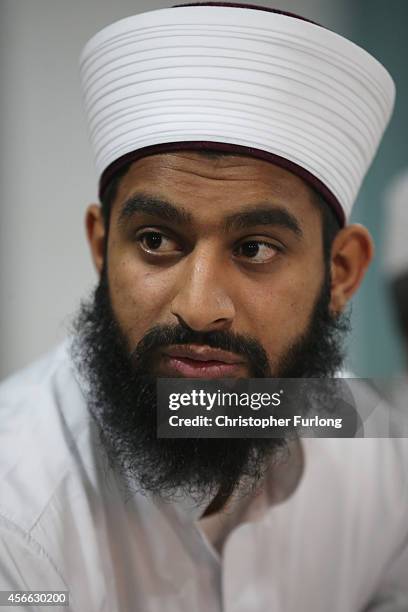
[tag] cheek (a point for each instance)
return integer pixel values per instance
(139, 296)
(280, 312)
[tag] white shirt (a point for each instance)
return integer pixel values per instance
(337, 543)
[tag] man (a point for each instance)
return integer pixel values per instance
(396, 253)
(230, 142)
(396, 278)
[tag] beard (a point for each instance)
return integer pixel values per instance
(121, 398)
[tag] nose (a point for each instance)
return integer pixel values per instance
(203, 302)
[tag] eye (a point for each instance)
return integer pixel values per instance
(156, 242)
(257, 251)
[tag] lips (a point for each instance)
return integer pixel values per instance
(195, 361)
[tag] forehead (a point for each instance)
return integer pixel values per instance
(212, 187)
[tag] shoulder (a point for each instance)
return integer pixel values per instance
(38, 378)
(356, 490)
(42, 418)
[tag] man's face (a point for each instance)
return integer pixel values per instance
(213, 267)
(230, 244)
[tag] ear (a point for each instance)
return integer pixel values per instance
(95, 231)
(352, 252)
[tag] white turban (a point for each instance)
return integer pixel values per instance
(237, 78)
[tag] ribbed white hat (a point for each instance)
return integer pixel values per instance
(237, 78)
(396, 242)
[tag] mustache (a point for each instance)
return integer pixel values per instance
(161, 336)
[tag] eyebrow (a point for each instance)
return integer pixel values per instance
(156, 207)
(263, 214)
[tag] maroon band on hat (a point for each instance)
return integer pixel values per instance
(329, 197)
(255, 7)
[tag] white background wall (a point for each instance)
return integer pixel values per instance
(46, 169)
